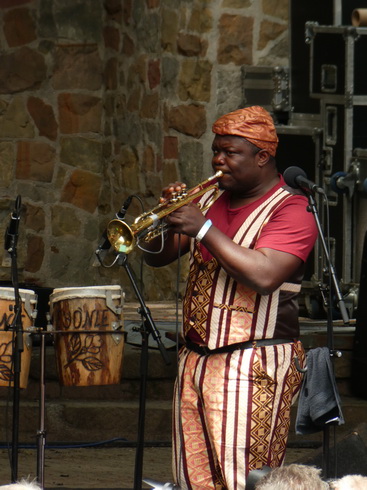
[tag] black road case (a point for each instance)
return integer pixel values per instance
(338, 62)
(325, 12)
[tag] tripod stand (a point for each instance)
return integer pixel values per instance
(332, 286)
(11, 240)
(148, 327)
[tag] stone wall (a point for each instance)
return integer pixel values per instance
(100, 100)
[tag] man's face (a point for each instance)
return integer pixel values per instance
(238, 161)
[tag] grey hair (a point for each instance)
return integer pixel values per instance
(22, 485)
(292, 477)
(350, 482)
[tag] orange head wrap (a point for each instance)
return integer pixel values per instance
(253, 123)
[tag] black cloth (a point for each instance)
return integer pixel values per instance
(319, 401)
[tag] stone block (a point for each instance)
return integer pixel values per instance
(190, 45)
(79, 21)
(83, 153)
(128, 45)
(149, 106)
(44, 117)
(191, 156)
(79, 113)
(169, 28)
(35, 161)
(111, 37)
(82, 190)
(19, 27)
(65, 221)
(170, 147)
(201, 19)
(35, 254)
(110, 74)
(148, 30)
(114, 9)
(149, 159)
(235, 39)
(22, 69)
(170, 69)
(269, 32)
(77, 67)
(280, 9)
(14, 119)
(7, 162)
(154, 74)
(34, 217)
(188, 119)
(195, 80)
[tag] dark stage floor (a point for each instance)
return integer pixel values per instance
(102, 468)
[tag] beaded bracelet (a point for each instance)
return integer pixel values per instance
(203, 230)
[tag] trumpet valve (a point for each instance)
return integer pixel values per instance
(183, 192)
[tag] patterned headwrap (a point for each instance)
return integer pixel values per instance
(253, 123)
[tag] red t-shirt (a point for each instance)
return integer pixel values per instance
(291, 228)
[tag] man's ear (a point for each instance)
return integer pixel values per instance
(263, 157)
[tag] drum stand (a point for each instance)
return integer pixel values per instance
(148, 327)
(41, 432)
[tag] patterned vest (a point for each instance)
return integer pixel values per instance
(222, 311)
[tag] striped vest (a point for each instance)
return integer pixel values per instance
(224, 312)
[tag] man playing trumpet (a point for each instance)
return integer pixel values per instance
(237, 378)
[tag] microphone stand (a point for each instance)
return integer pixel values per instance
(41, 432)
(11, 239)
(333, 283)
(148, 327)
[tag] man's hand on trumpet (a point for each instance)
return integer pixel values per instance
(187, 219)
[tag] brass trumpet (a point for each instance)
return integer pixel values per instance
(124, 237)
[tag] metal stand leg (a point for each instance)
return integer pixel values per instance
(41, 433)
(148, 327)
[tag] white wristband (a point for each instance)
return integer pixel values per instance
(203, 230)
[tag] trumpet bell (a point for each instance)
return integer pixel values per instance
(121, 236)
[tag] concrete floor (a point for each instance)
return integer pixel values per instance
(100, 468)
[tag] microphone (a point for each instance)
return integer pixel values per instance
(296, 177)
(11, 233)
(104, 243)
(121, 214)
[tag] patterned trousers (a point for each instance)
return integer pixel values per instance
(232, 414)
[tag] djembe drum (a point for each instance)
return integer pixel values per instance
(89, 339)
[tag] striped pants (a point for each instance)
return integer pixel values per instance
(232, 414)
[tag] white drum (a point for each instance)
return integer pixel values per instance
(89, 337)
(28, 315)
